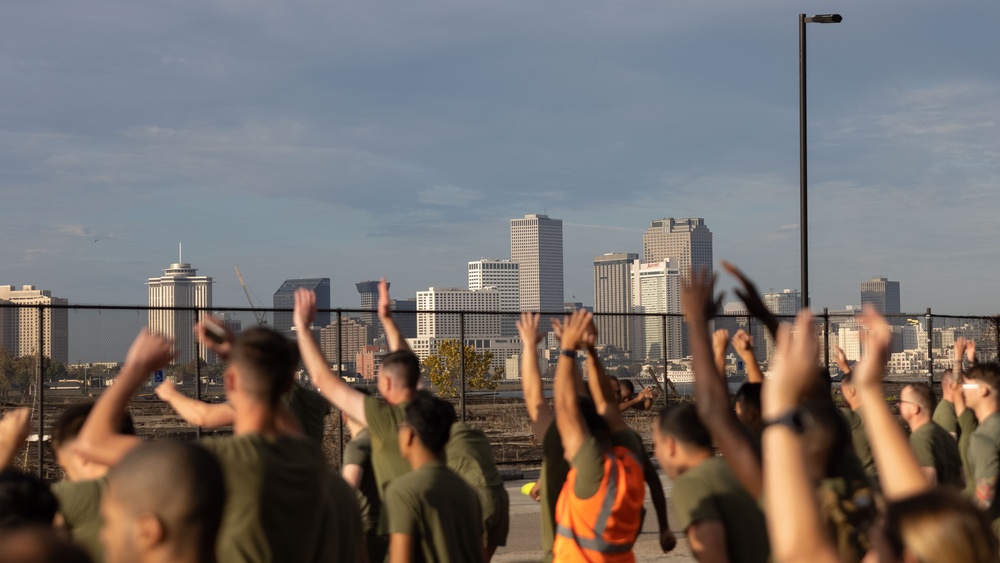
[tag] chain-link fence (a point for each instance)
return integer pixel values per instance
(83, 347)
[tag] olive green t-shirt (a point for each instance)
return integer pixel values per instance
(387, 463)
(359, 452)
(80, 506)
(967, 424)
(860, 441)
(311, 409)
(710, 491)
(439, 510)
(935, 448)
(470, 455)
(282, 501)
(945, 417)
(550, 483)
(984, 459)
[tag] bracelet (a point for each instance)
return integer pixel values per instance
(795, 418)
(567, 353)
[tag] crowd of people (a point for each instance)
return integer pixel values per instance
(777, 473)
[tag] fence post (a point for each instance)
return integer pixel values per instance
(826, 337)
(197, 368)
(996, 331)
(461, 356)
(663, 349)
(930, 346)
(40, 395)
(340, 374)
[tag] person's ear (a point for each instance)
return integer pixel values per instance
(150, 531)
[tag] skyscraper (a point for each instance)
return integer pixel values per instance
(656, 288)
(536, 244)
(687, 241)
(505, 276)
(20, 325)
(883, 295)
(368, 291)
(180, 286)
(284, 298)
(613, 294)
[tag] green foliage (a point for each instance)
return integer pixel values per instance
(444, 368)
(18, 373)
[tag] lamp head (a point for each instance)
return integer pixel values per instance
(825, 18)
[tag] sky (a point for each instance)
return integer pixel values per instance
(354, 140)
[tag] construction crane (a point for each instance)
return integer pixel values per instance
(259, 315)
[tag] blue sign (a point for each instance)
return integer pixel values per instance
(158, 376)
(739, 366)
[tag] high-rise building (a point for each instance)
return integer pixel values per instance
(536, 244)
(405, 316)
(783, 303)
(180, 286)
(687, 241)
(656, 288)
(284, 298)
(21, 324)
(346, 346)
(505, 276)
(446, 325)
(368, 291)
(613, 294)
(883, 295)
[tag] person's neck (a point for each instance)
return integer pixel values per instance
(254, 418)
(420, 457)
(984, 410)
(918, 422)
(694, 458)
(177, 554)
(403, 396)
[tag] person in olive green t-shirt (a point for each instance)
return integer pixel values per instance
(356, 470)
(944, 413)
(857, 424)
(433, 513)
(470, 455)
(982, 395)
(723, 522)
(936, 450)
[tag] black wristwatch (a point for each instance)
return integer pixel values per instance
(796, 419)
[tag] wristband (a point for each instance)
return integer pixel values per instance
(568, 353)
(796, 419)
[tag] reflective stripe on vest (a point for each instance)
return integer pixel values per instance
(598, 543)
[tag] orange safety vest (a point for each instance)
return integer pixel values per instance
(604, 526)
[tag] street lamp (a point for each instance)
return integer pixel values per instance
(803, 180)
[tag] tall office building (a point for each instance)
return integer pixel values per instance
(785, 304)
(21, 323)
(656, 288)
(180, 286)
(346, 345)
(446, 325)
(368, 291)
(536, 244)
(505, 276)
(404, 312)
(883, 295)
(613, 294)
(284, 298)
(687, 241)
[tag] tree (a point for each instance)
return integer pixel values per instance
(445, 368)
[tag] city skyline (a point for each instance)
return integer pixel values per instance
(361, 141)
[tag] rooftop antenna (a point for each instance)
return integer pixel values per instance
(180, 253)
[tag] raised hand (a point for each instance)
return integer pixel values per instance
(697, 298)
(751, 298)
(576, 330)
(13, 433)
(720, 341)
(841, 358)
(743, 343)
(166, 390)
(208, 330)
(384, 303)
(795, 368)
(869, 369)
(970, 351)
(305, 308)
(960, 345)
(646, 393)
(527, 327)
(149, 352)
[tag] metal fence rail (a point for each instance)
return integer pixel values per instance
(51, 355)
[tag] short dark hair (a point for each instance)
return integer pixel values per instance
(67, 427)
(683, 424)
(431, 419)
(404, 366)
(947, 375)
(749, 395)
(924, 396)
(596, 424)
(25, 500)
(627, 383)
(267, 362)
(988, 373)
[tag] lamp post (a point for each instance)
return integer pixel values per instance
(803, 178)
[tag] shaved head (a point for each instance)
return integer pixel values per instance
(163, 495)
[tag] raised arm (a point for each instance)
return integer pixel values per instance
(348, 399)
(13, 433)
(713, 396)
(841, 359)
(720, 342)
(743, 344)
(539, 411)
(898, 468)
(193, 411)
(600, 384)
(751, 298)
(572, 428)
(392, 333)
(99, 440)
(794, 523)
